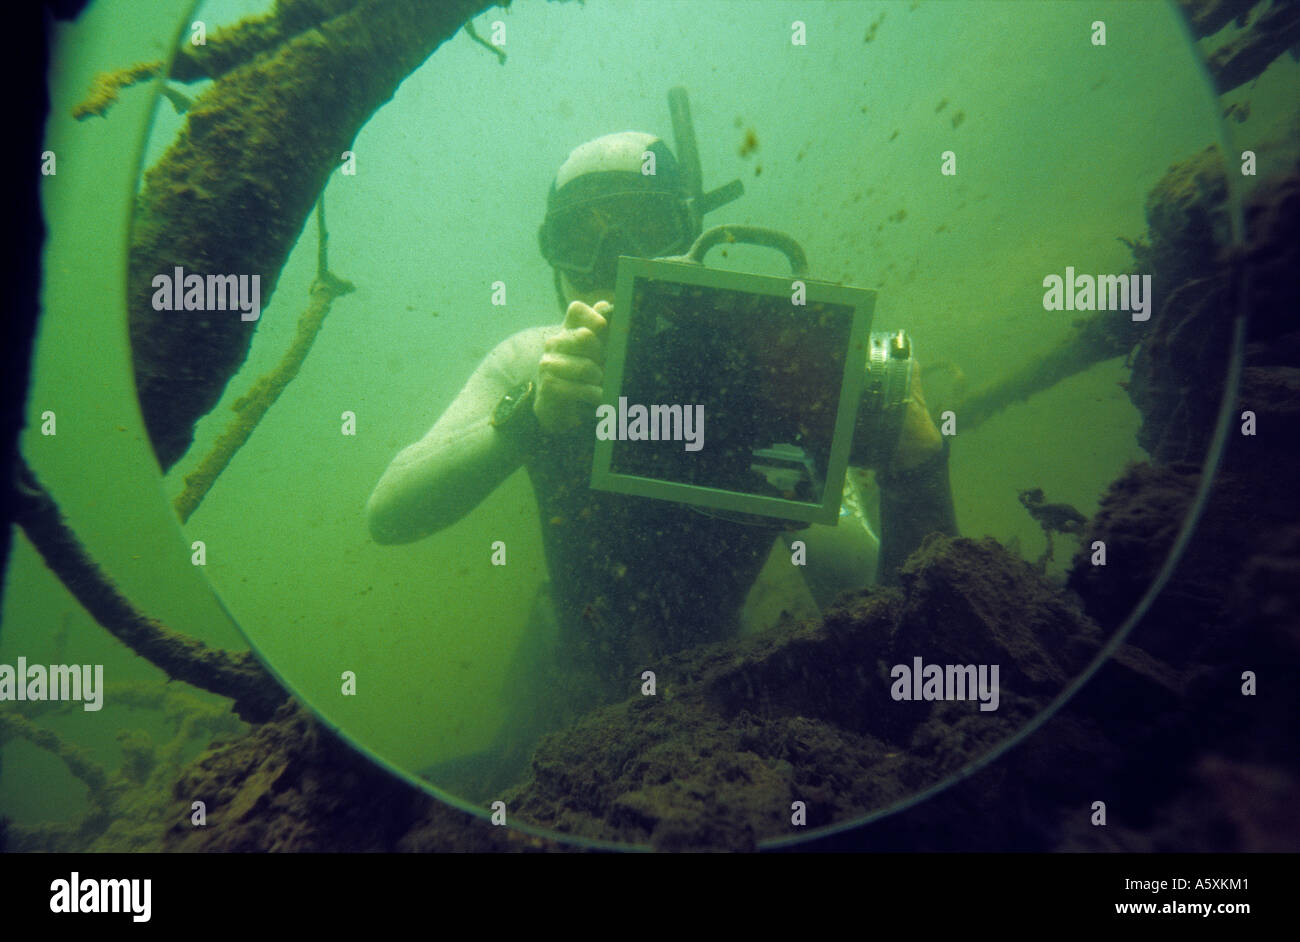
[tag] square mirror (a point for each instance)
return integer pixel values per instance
(730, 390)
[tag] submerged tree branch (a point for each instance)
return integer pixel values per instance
(235, 187)
(237, 675)
(1239, 60)
(78, 761)
(473, 34)
(254, 404)
(104, 88)
(1274, 30)
(1104, 336)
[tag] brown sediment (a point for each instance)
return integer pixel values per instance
(805, 713)
(292, 786)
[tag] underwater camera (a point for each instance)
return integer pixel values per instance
(732, 392)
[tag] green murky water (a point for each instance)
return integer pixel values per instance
(838, 142)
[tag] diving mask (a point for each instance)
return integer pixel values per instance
(584, 239)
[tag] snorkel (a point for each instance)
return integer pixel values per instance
(627, 194)
(688, 159)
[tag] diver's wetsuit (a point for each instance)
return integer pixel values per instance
(632, 578)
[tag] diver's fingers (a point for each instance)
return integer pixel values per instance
(583, 315)
(576, 369)
(554, 389)
(577, 342)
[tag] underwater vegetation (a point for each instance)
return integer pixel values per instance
(129, 805)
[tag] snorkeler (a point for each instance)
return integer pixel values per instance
(633, 579)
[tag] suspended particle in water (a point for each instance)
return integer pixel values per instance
(1238, 111)
(871, 30)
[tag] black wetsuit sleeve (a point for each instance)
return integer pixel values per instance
(913, 504)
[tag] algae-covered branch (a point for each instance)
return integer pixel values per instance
(232, 193)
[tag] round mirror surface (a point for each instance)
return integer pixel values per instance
(849, 538)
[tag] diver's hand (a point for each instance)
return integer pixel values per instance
(571, 372)
(918, 439)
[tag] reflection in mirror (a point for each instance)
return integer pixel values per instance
(777, 372)
(381, 427)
